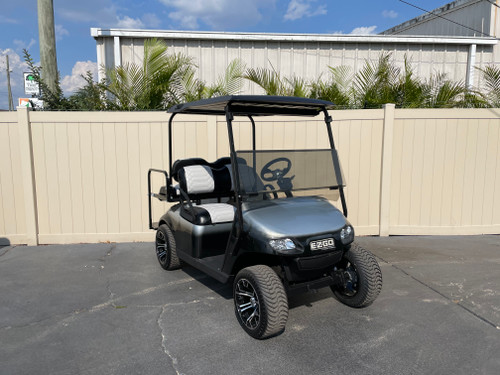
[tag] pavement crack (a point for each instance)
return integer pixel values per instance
(7, 249)
(482, 318)
(141, 293)
(175, 362)
(62, 316)
(173, 359)
(108, 253)
(111, 298)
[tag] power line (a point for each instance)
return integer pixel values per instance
(492, 3)
(437, 15)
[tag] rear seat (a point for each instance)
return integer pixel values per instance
(201, 180)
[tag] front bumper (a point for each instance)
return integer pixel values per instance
(298, 269)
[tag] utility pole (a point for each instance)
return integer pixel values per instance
(47, 36)
(11, 102)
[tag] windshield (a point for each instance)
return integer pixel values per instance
(288, 170)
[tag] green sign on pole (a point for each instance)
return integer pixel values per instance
(31, 86)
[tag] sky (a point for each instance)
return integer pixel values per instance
(76, 49)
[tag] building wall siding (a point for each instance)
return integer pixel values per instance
(310, 60)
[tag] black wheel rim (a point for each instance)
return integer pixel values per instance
(161, 247)
(351, 280)
(247, 303)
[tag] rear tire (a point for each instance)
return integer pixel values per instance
(166, 252)
(260, 302)
(362, 278)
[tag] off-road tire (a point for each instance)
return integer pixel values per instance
(369, 278)
(168, 257)
(271, 299)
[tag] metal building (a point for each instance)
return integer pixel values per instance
(468, 18)
(458, 18)
(305, 55)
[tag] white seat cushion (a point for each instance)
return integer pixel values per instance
(199, 179)
(219, 212)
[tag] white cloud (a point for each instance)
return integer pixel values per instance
(129, 23)
(303, 8)
(364, 30)
(73, 82)
(17, 67)
(186, 21)
(389, 14)
(218, 14)
(105, 13)
(4, 19)
(296, 9)
(21, 44)
(60, 32)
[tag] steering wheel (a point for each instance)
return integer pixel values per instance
(272, 175)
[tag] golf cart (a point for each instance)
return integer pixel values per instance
(256, 218)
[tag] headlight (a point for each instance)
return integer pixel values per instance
(284, 246)
(347, 235)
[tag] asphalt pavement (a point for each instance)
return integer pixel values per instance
(111, 309)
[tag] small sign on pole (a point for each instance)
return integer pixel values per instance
(31, 87)
(31, 103)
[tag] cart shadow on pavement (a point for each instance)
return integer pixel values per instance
(309, 298)
(223, 290)
(226, 290)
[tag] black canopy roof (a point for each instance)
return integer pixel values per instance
(254, 105)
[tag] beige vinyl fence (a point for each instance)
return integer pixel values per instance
(70, 177)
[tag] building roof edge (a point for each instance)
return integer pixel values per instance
(278, 37)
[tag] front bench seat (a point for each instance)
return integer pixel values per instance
(196, 180)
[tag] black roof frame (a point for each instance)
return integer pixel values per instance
(254, 105)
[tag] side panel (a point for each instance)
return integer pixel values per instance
(197, 241)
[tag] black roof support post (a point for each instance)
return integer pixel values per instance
(253, 132)
(232, 244)
(254, 161)
(328, 122)
(234, 167)
(170, 163)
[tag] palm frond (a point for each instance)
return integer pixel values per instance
(268, 80)
(154, 84)
(231, 82)
(297, 87)
(337, 89)
(443, 93)
(491, 75)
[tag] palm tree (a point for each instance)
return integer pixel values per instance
(409, 91)
(442, 92)
(491, 75)
(374, 83)
(228, 83)
(273, 84)
(337, 89)
(153, 85)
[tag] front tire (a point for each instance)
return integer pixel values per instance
(362, 278)
(166, 252)
(260, 300)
